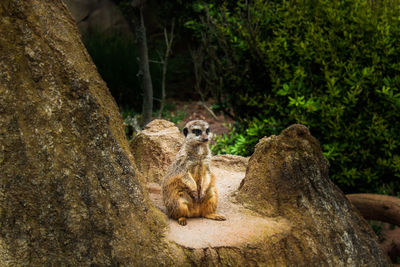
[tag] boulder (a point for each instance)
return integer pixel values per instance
(287, 177)
(155, 148)
(69, 191)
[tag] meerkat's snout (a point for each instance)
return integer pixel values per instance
(205, 137)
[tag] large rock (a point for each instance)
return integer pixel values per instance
(69, 192)
(155, 148)
(287, 177)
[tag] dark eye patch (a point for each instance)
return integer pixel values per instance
(196, 132)
(208, 131)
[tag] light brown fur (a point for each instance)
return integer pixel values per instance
(189, 185)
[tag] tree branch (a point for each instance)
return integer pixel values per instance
(377, 207)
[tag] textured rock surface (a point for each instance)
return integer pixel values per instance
(155, 148)
(69, 194)
(287, 176)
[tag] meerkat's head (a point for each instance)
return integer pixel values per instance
(197, 132)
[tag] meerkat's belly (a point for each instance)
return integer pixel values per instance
(198, 173)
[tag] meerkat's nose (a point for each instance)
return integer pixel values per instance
(205, 139)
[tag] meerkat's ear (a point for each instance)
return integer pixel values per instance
(185, 131)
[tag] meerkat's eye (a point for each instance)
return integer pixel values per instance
(208, 131)
(197, 132)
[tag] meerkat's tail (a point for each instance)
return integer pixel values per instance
(214, 216)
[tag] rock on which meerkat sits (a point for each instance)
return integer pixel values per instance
(281, 210)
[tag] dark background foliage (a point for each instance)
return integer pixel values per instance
(330, 65)
(333, 66)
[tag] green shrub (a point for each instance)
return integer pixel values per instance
(241, 141)
(333, 66)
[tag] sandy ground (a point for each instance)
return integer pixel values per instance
(242, 227)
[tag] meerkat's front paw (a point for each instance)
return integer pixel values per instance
(194, 195)
(201, 196)
(214, 216)
(182, 221)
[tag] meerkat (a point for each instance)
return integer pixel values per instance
(189, 185)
